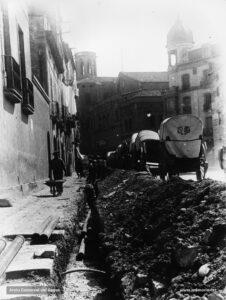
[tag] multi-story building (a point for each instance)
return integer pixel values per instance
(34, 65)
(53, 65)
(112, 109)
(142, 104)
(193, 79)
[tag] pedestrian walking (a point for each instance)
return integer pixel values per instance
(58, 169)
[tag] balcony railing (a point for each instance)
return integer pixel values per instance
(13, 87)
(28, 97)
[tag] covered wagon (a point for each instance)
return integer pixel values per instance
(183, 148)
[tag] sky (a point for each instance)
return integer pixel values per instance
(130, 35)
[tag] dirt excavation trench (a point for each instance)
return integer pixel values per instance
(154, 240)
(86, 277)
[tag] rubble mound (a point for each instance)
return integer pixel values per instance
(164, 240)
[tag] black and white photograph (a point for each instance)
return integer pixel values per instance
(113, 150)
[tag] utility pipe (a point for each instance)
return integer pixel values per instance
(85, 226)
(43, 226)
(83, 270)
(2, 245)
(46, 233)
(82, 249)
(11, 251)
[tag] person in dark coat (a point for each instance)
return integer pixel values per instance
(92, 176)
(58, 169)
(78, 163)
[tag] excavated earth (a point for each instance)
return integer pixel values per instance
(163, 240)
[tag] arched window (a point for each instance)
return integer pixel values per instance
(89, 68)
(173, 58)
(82, 69)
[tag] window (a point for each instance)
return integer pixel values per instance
(209, 122)
(82, 69)
(89, 68)
(170, 106)
(27, 86)
(185, 81)
(172, 58)
(194, 70)
(186, 105)
(218, 91)
(208, 126)
(12, 89)
(207, 102)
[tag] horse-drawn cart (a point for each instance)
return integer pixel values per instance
(183, 149)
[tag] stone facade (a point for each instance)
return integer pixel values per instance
(193, 81)
(112, 109)
(25, 94)
(142, 105)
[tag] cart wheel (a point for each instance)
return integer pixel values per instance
(200, 174)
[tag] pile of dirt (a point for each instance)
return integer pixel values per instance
(164, 240)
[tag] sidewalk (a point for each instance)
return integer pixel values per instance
(24, 218)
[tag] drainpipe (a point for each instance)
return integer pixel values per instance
(11, 251)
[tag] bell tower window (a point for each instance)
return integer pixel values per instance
(172, 58)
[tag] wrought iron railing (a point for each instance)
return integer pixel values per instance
(13, 77)
(28, 96)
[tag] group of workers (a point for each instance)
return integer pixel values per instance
(96, 171)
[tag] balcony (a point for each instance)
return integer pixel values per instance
(13, 87)
(55, 111)
(28, 97)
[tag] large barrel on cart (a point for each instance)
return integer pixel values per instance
(183, 149)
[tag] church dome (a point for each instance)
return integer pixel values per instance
(179, 34)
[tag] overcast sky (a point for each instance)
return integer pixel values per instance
(130, 35)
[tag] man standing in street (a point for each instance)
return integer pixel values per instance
(58, 167)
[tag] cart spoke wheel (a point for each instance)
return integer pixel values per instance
(200, 174)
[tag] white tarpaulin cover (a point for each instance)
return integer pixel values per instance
(145, 135)
(182, 135)
(132, 141)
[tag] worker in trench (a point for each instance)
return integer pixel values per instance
(222, 158)
(58, 168)
(92, 177)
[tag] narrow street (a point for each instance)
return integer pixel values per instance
(111, 113)
(39, 265)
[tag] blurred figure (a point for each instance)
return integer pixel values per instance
(58, 167)
(93, 176)
(78, 163)
(222, 158)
